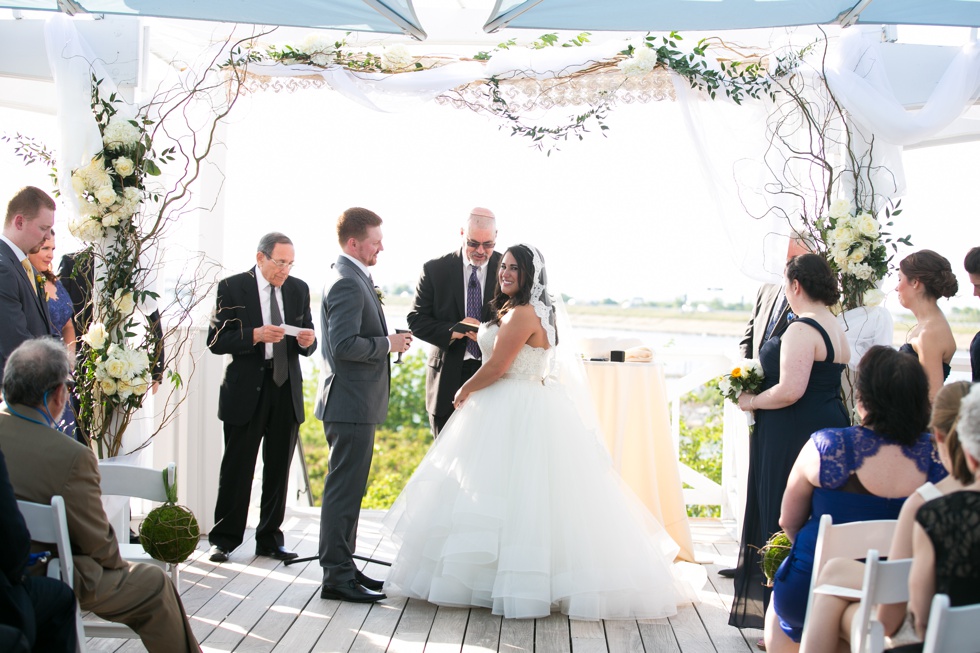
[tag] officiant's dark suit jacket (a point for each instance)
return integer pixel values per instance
(440, 302)
(766, 301)
(352, 400)
(237, 315)
(24, 315)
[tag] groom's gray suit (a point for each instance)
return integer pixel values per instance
(352, 401)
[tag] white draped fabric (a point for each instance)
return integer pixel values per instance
(731, 140)
(858, 78)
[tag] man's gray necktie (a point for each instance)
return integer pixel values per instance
(280, 366)
(474, 307)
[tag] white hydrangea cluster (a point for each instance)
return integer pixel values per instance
(120, 133)
(643, 61)
(396, 57)
(321, 49)
(122, 371)
(852, 240)
(99, 206)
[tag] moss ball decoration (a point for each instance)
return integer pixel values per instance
(773, 554)
(170, 533)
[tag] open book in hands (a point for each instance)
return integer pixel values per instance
(464, 327)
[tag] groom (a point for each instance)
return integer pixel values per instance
(353, 398)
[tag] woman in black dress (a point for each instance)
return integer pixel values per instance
(972, 265)
(801, 394)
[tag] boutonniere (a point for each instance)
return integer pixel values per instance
(381, 295)
(39, 279)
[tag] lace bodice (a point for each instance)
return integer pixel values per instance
(530, 361)
(952, 523)
(843, 451)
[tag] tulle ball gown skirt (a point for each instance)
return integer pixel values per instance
(517, 508)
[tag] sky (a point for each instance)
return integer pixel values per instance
(620, 216)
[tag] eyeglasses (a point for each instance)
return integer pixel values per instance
(68, 383)
(476, 244)
(282, 265)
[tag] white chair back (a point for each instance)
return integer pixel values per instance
(49, 525)
(885, 581)
(134, 481)
(851, 540)
(140, 483)
(952, 630)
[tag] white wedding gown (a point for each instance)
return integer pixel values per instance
(516, 507)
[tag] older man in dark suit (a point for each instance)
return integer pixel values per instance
(263, 321)
(353, 398)
(455, 288)
(30, 216)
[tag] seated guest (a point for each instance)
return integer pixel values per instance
(924, 277)
(832, 612)
(44, 463)
(946, 536)
(972, 265)
(855, 473)
(39, 612)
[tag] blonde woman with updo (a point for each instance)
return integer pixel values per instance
(924, 277)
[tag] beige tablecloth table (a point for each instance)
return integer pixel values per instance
(631, 402)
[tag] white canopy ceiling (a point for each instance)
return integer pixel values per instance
(386, 16)
(697, 15)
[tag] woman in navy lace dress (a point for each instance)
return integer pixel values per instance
(856, 473)
(60, 309)
(924, 277)
(800, 395)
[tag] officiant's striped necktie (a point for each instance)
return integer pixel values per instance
(280, 366)
(474, 308)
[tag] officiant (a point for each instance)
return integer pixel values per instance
(455, 288)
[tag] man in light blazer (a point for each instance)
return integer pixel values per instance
(442, 298)
(261, 397)
(43, 463)
(352, 399)
(30, 216)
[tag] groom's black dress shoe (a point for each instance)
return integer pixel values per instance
(350, 591)
(218, 554)
(279, 553)
(726, 573)
(368, 582)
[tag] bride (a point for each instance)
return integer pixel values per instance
(516, 507)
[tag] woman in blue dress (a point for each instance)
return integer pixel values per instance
(60, 310)
(857, 473)
(800, 394)
(924, 277)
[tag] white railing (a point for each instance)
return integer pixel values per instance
(687, 371)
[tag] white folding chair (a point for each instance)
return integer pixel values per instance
(48, 525)
(141, 483)
(885, 581)
(851, 540)
(952, 630)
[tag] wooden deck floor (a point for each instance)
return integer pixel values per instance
(259, 604)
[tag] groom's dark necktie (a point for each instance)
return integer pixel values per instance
(474, 308)
(280, 365)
